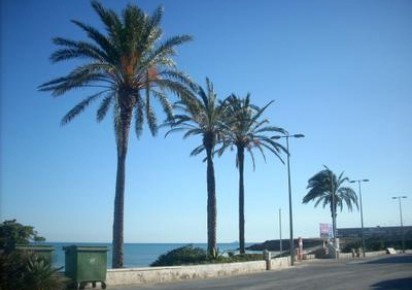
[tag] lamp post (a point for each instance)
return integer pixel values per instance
(280, 232)
(287, 136)
(359, 181)
(400, 212)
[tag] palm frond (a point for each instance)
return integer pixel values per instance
(104, 107)
(79, 108)
(139, 116)
(80, 77)
(110, 19)
(199, 149)
(325, 187)
(77, 49)
(165, 103)
(150, 115)
(110, 53)
(245, 128)
(167, 49)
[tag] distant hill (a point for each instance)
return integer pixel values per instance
(274, 245)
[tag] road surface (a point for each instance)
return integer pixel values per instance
(387, 272)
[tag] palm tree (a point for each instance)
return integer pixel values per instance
(326, 188)
(127, 66)
(246, 131)
(203, 116)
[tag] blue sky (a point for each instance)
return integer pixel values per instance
(340, 72)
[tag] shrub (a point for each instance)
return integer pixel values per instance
(186, 255)
(27, 271)
(189, 255)
(24, 270)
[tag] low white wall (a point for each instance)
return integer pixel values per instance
(345, 256)
(139, 276)
(374, 254)
(280, 263)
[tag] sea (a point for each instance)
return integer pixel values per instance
(136, 254)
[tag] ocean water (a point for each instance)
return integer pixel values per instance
(135, 254)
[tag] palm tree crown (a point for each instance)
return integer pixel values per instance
(327, 189)
(127, 66)
(245, 130)
(203, 116)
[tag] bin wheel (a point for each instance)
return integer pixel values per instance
(74, 285)
(94, 284)
(104, 285)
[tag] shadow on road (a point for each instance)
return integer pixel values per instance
(394, 284)
(404, 259)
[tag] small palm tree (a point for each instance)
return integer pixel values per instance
(203, 116)
(246, 131)
(127, 67)
(327, 189)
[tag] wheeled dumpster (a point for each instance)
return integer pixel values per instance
(86, 264)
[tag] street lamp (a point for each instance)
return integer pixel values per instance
(292, 258)
(400, 212)
(359, 181)
(280, 232)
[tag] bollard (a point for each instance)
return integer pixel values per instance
(267, 256)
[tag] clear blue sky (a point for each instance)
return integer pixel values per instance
(340, 72)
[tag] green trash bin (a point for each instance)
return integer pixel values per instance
(44, 251)
(86, 264)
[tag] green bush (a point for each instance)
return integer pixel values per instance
(186, 255)
(27, 271)
(24, 270)
(239, 258)
(189, 255)
(13, 233)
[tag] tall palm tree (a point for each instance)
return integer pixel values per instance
(203, 116)
(327, 189)
(127, 66)
(246, 131)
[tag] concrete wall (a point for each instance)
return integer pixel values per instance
(139, 276)
(345, 256)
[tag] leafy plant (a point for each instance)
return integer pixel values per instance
(27, 271)
(40, 275)
(11, 269)
(189, 255)
(13, 233)
(186, 255)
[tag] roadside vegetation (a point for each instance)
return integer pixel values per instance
(25, 270)
(190, 255)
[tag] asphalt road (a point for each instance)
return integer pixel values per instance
(388, 272)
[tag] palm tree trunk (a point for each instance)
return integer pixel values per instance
(240, 158)
(211, 205)
(333, 213)
(122, 137)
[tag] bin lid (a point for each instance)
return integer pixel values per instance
(35, 247)
(86, 248)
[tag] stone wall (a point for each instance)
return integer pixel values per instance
(140, 276)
